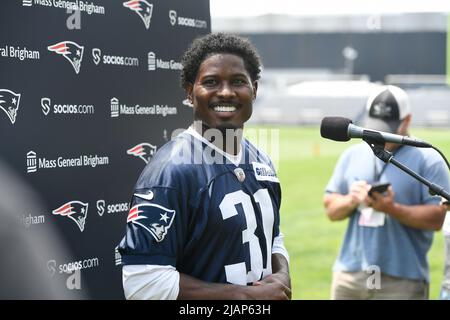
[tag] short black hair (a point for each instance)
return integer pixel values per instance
(213, 43)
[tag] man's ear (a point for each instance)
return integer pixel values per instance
(189, 90)
(408, 119)
(255, 89)
(403, 129)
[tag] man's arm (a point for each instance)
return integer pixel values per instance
(153, 282)
(280, 277)
(192, 289)
(427, 217)
(276, 286)
(339, 206)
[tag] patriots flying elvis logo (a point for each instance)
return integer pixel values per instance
(154, 218)
(142, 8)
(9, 102)
(144, 150)
(75, 210)
(71, 51)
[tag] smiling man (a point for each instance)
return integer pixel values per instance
(208, 227)
(222, 96)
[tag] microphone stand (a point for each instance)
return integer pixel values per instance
(376, 142)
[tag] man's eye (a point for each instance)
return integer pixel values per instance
(209, 82)
(239, 82)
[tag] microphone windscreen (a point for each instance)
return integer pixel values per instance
(335, 128)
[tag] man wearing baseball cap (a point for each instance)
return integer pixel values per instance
(389, 233)
(387, 108)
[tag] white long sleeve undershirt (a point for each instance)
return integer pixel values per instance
(155, 282)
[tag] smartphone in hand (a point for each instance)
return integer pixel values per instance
(379, 187)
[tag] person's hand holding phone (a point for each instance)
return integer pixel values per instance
(381, 197)
(379, 187)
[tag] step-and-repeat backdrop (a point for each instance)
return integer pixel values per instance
(89, 90)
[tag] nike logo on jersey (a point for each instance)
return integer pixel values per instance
(147, 196)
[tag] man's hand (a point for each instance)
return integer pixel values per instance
(425, 217)
(273, 287)
(382, 203)
(339, 206)
(358, 192)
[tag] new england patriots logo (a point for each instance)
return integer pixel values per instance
(71, 51)
(75, 210)
(142, 8)
(9, 102)
(144, 150)
(152, 217)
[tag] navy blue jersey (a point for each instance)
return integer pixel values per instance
(208, 217)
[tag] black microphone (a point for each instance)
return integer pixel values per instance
(342, 129)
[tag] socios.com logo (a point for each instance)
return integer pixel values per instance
(46, 105)
(96, 55)
(51, 266)
(101, 207)
(173, 17)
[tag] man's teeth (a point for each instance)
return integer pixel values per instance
(224, 108)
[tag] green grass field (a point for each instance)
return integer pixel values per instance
(305, 164)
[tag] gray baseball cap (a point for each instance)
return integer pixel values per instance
(386, 107)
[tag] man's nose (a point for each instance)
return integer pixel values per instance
(225, 90)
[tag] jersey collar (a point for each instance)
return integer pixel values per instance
(234, 159)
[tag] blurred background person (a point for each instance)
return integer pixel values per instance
(445, 288)
(28, 268)
(388, 232)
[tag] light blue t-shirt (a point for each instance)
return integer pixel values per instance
(398, 250)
